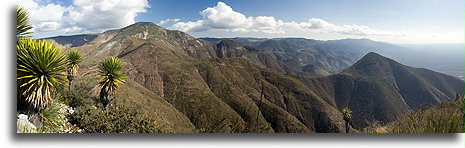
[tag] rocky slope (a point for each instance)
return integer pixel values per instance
(190, 85)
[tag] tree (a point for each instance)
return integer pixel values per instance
(41, 65)
(75, 59)
(111, 69)
(347, 117)
(22, 22)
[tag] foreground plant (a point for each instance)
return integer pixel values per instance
(22, 22)
(111, 69)
(75, 59)
(446, 117)
(41, 66)
(117, 119)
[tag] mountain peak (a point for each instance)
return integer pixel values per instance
(143, 25)
(373, 55)
(371, 64)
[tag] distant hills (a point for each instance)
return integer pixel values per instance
(74, 40)
(259, 85)
(383, 89)
(312, 58)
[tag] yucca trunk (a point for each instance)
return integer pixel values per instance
(105, 97)
(70, 79)
(347, 126)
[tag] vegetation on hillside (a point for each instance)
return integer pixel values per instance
(116, 119)
(176, 83)
(446, 117)
(45, 107)
(41, 66)
(75, 58)
(347, 115)
(111, 70)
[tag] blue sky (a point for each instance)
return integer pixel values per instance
(395, 21)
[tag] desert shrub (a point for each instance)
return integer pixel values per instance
(81, 93)
(441, 118)
(54, 119)
(117, 119)
(375, 127)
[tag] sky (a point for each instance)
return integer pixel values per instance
(393, 21)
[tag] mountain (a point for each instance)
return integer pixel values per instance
(73, 40)
(230, 49)
(444, 58)
(311, 58)
(244, 41)
(186, 73)
(191, 85)
(379, 88)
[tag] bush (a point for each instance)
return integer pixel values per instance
(117, 119)
(442, 118)
(54, 119)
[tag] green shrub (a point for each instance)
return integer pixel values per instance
(54, 119)
(117, 119)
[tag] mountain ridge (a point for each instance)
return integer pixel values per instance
(219, 89)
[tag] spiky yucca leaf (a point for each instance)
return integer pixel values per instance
(75, 59)
(111, 69)
(41, 65)
(22, 22)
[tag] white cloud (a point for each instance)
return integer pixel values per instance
(87, 16)
(104, 14)
(322, 26)
(82, 15)
(222, 18)
(162, 22)
(48, 26)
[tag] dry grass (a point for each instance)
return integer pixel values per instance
(441, 118)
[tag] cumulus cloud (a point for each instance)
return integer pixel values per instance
(82, 15)
(223, 18)
(103, 14)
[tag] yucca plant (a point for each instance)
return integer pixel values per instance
(111, 69)
(22, 22)
(74, 60)
(347, 117)
(41, 66)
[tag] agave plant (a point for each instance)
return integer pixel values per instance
(111, 69)
(41, 66)
(347, 117)
(22, 22)
(74, 60)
